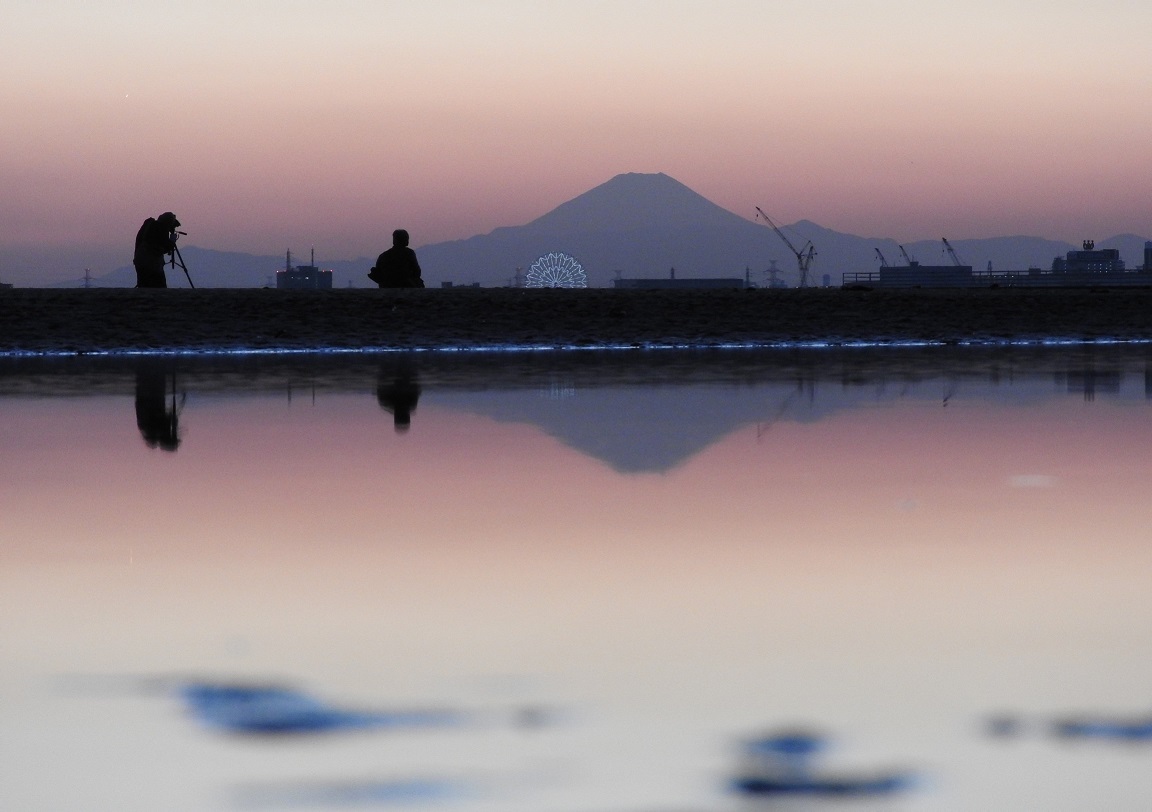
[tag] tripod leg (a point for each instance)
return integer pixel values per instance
(177, 258)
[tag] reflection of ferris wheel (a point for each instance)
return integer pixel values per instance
(556, 271)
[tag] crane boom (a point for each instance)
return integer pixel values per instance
(952, 253)
(883, 261)
(804, 256)
(907, 258)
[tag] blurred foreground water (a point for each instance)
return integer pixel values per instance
(804, 580)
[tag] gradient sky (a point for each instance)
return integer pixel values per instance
(892, 573)
(270, 124)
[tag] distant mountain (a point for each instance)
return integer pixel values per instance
(642, 226)
(638, 225)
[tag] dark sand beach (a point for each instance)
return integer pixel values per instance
(77, 321)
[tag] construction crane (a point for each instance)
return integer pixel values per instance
(952, 253)
(907, 258)
(804, 256)
(883, 261)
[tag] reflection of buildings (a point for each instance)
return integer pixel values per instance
(1090, 382)
(637, 412)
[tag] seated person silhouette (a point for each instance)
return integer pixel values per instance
(156, 237)
(397, 267)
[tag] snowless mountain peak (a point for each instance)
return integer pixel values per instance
(633, 201)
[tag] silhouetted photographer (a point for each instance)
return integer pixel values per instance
(156, 239)
(397, 267)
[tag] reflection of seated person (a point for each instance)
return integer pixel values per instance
(156, 418)
(399, 397)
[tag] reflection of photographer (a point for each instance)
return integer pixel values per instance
(157, 418)
(155, 238)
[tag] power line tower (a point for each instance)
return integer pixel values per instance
(87, 277)
(804, 256)
(773, 274)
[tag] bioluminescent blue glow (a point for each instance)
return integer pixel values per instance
(615, 346)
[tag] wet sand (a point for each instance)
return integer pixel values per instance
(43, 321)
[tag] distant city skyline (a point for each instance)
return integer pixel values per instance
(266, 125)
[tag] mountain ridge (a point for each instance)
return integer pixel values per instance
(639, 225)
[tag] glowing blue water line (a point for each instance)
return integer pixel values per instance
(652, 346)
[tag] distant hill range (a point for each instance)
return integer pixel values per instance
(641, 226)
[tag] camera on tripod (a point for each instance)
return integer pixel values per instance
(173, 236)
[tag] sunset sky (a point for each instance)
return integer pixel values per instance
(265, 124)
(892, 572)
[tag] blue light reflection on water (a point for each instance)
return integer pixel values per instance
(667, 646)
(595, 348)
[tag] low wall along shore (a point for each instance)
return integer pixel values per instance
(128, 320)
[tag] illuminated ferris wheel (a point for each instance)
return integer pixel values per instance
(556, 270)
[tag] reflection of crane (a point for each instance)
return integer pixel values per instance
(803, 257)
(949, 391)
(907, 258)
(804, 385)
(952, 253)
(883, 261)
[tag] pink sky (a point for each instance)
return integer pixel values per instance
(895, 571)
(265, 124)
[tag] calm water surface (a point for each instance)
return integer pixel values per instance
(579, 582)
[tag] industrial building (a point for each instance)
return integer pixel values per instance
(1090, 260)
(677, 284)
(303, 277)
(1088, 267)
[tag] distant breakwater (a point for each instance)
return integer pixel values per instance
(78, 321)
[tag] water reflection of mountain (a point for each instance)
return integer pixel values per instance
(654, 428)
(636, 411)
(633, 429)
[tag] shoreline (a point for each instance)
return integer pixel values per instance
(112, 321)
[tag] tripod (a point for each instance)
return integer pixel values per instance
(178, 260)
